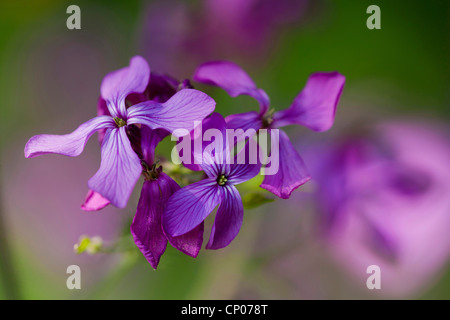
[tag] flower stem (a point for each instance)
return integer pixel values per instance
(7, 272)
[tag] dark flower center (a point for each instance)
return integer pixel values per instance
(268, 118)
(222, 180)
(120, 122)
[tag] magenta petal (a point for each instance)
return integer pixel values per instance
(230, 77)
(189, 206)
(228, 220)
(94, 202)
(146, 227)
(120, 168)
(181, 111)
(249, 122)
(189, 243)
(292, 172)
(214, 121)
(120, 83)
(71, 144)
(315, 106)
(149, 140)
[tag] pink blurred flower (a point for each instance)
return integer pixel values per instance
(383, 199)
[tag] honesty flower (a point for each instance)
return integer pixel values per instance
(147, 227)
(189, 206)
(313, 108)
(120, 166)
(160, 88)
(383, 200)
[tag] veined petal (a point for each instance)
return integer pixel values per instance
(94, 201)
(146, 227)
(71, 144)
(244, 121)
(120, 168)
(214, 121)
(181, 111)
(292, 172)
(315, 106)
(230, 77)
(189, 206)
(228, 220)
(120, 83)
(189, 243)
(149, 140)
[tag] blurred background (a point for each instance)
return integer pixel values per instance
(380, 192)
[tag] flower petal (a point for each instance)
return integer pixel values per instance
(244, 121)
(214, 121)
(120, 83)
(146, 227)
(179, 112)
(94, 202)
(120, 168)
(230, 77)
(149, 140)
(71, 144)
(228, 220)
(189, 243)
(189, 206)
(292, 172)
(315, 106)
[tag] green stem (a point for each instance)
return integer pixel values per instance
(7, 271)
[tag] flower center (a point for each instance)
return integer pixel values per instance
(222, 180)
(120, 122)
(268, 118)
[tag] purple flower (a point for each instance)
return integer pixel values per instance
(313, 108)
(383, 200)
(189, 206)
(120, 166)
(160, 88)
(147, 227)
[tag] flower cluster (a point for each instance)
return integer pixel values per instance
(137, 109)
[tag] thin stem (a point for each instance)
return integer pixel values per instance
(7, 271)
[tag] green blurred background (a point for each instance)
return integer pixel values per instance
(49, 83)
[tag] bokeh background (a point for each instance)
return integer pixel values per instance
(49, 83)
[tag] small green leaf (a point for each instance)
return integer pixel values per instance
(255, 199)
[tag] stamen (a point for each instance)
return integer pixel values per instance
(222, 180)
(120, 122)
(268, 118)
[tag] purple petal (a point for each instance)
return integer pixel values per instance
(189, 206)
(230, 77)
(149, 140)
(71, 144)
(120, 168)
(214, 121)
(94, 202)
(244, 121)
(102, 110)
(120, 83)
(179, 112)
(246, 164)
(315, 106)
(228, 220)
(292, 172)
(189, 243)
(146, 227)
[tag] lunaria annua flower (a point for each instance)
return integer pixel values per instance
(120, 166)
(189, 206)
(313, 108)
(383, 200)
(147, 227)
